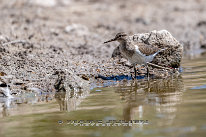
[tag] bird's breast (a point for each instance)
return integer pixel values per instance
(137, 57)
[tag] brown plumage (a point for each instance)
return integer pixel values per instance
(147, 49)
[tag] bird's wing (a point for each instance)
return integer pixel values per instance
(147, 49)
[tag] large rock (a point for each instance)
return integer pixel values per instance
(171, 57)
(68, 81)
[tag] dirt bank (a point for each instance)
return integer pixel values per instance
(68, 35)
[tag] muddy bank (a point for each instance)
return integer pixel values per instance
(36, 40)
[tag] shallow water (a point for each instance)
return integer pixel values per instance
(168, 107)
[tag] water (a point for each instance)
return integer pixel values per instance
(169, 107)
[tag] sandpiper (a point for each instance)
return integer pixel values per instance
(136, 53)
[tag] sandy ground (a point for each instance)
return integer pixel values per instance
(68, 35)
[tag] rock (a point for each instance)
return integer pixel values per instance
(59, 84)
(5, 89)
(2, 83)
(203, 42)
(45, 3)
(164, 40)
(2, 74)
(203, 46)
(77, 29)
(3, 39)
(201, 23)
(34, 89)
(141, 20)
(85, 77)
(65, 2)
(6, 92)
(68, 81)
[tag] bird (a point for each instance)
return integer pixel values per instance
(135, 52)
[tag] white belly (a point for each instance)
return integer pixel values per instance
(138, 57)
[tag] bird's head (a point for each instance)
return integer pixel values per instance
(121, 36)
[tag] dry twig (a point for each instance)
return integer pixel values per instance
(15, 42)
(158, 66)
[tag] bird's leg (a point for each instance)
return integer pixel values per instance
(135, 72)
(147, 72)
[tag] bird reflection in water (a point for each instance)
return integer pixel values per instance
(154, 98)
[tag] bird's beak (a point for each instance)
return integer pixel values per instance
(110, 40)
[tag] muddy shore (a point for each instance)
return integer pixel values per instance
(37, 40)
